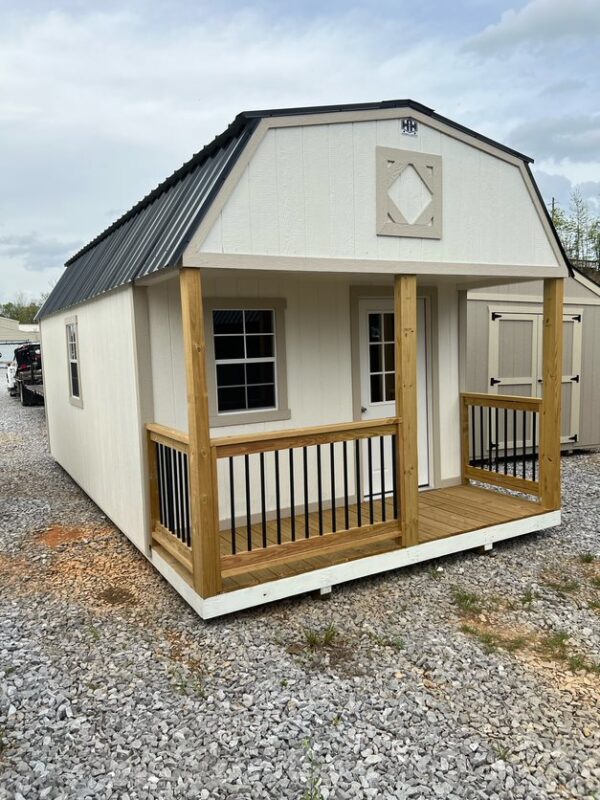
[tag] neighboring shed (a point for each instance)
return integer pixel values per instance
(12, 334)
(504, 355)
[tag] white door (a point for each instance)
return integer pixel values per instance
(515, 361)
(378, 383)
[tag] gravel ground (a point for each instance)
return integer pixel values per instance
(472, 677)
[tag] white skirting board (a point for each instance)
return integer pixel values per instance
(230, 602)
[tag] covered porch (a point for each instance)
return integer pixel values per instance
(240, 520)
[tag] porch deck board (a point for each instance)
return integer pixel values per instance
(442, 513)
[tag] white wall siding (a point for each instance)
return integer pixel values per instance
(448, 383)
(99, 445)
(310, 192)
(166, 354)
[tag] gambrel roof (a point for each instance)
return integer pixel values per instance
(153, 234)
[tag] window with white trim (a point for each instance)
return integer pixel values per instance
(73, 357)
(245, 359)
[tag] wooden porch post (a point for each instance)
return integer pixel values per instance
(551, 394)
(405, 315)
(202, 471)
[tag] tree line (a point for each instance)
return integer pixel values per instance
(579, 231)
(22, 309)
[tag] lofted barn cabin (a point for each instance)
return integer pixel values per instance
(258, 372)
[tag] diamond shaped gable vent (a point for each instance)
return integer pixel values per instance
(410, 194)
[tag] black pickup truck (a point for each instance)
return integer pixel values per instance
(29, 382)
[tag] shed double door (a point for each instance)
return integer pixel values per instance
(515, 361)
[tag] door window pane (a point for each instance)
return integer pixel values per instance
(374, 327)
(376, 389)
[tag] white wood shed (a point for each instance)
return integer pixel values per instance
(258, 371)
(504, 350)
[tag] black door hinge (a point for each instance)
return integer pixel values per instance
(494, 381)
(575, 378)
(495, 316)
(576, 318)
(573, 438)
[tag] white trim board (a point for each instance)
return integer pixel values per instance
(324, 579)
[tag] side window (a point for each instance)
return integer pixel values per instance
(73, 361)
(245, 359)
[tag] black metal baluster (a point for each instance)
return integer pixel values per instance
(533, 443)
(358, 487)
(161, 491)
(168, 496)
(514, 416)
(292, 494)
(186, 484)
(473, 437)
(263, 504)
(394, 475)
(177, 493)
(277, 496)
(319, 490)
(305, 468)
(506, 441)
(481, 435)
(490, 438)
(370, 463)
(232, 505)
(248, 510)
(346, 505)
(332, 474)
(524, 422)
(497, 439)
(382, 468)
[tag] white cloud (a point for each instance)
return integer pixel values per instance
(542, 23)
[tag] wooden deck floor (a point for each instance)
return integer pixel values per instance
(442, 513)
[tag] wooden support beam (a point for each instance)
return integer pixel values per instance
(407, 473)
(551, 394)
(203, 491)
(153, 480)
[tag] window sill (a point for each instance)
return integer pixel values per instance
(249, 417)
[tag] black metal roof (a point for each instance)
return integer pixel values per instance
(153, 234)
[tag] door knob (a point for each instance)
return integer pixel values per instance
(363, 409)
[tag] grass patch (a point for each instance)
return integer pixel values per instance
(395, 642)
(587, 558)
(312, 791)
(466, 602)
(595, 581)
(563, 585)
(556, 647)
(502, 752)
(528, 597)
(492, 641)
(315, 639)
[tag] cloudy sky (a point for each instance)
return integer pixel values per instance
(100, 101)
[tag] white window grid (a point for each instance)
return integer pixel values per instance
(382, 345)
(248, 360)
(73, 356)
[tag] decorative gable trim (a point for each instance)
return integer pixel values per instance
(408, 210)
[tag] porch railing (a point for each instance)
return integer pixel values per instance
(293, 492)
(500, 440)
(171, 516)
